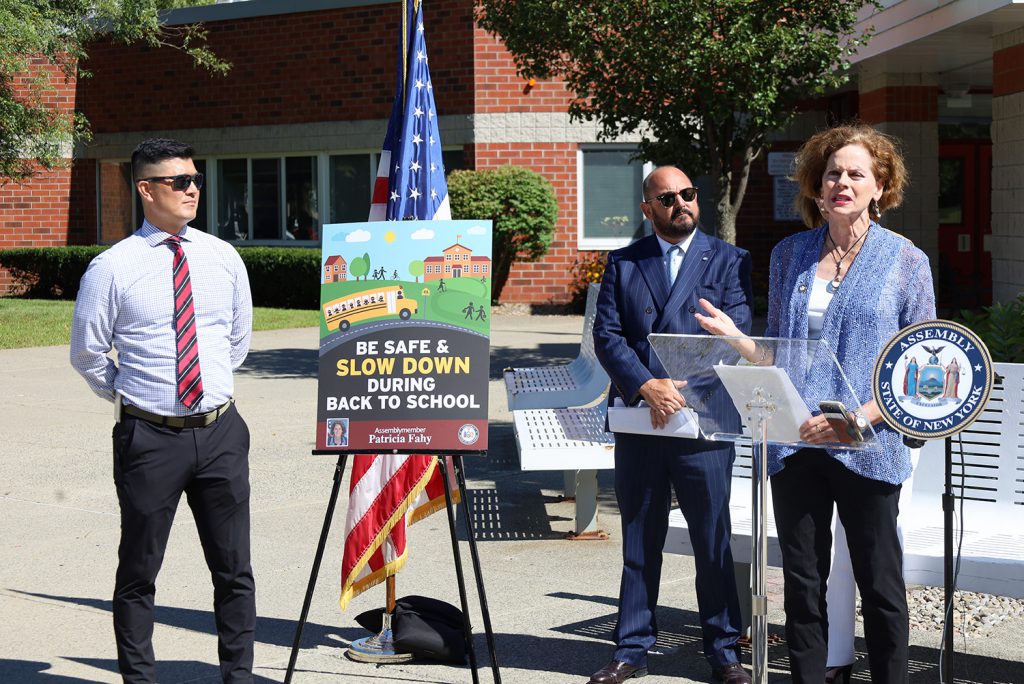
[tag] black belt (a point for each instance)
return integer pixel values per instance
(194, 421)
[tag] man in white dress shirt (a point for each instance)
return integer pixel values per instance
(175, 304)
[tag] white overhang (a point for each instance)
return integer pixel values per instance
(949, 38)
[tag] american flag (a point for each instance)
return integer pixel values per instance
(389, 491)
(410, 176)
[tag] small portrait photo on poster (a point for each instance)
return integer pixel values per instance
(337, 432)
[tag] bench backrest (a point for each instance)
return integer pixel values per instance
(988, 457)
(586, 364)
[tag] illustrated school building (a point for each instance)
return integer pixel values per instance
(289, 139)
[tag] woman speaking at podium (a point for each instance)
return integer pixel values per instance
(851, 284)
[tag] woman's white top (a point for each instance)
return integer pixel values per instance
(821, 296)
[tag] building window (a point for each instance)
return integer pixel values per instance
(352, 177)
(268, 200)
(233, 199)
(610, 196)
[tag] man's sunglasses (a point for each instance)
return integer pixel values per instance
(667, 199)
(182, 181)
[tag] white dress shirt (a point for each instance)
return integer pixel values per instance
(126, 302)
(672, 267)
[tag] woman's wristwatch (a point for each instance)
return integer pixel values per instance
(861, 421)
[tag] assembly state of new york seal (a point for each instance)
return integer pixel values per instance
(932, 379)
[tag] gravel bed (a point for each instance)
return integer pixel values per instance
(973, 614)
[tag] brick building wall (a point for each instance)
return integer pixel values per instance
(332, 65)
(36, 213)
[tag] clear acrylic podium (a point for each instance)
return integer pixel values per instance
(770, 386)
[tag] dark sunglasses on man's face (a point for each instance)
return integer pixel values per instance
(182, 181)
(667, 199)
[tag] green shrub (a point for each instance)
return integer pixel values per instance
(48, 272)
(280, 277)
(283, 277)
(521, 205)
(1001, 328)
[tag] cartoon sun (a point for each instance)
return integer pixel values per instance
(389, 236)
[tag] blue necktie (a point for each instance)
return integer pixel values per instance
(672, 263)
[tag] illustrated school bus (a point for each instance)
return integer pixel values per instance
(376, 303)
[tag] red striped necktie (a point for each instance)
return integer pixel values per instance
(189, 374)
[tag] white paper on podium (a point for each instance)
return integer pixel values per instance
(637, 420)
(790, 410)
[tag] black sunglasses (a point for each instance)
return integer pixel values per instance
(182, 181)
(667, 199)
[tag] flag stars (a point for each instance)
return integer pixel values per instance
(432, 141)
(430, 114)
(421, 55)
(416, 139)
(420, 27)
(433, 167)
(395, 196)
(414, 193)
(429, 87)
(417, 112)
(415, 166)
(419, 84)
(433, 193)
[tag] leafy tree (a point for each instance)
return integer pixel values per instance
(416, 269)
(521, 206)
(42, 42)
(702, 81)
(360, 266)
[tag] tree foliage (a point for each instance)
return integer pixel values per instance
(45, 41)
(702, 81)
(521, 206)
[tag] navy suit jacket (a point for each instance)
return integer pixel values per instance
(636, 300)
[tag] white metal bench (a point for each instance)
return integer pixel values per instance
(991, 491)
(557, 425)
(577, 383)
(572, 440)
(990, 488)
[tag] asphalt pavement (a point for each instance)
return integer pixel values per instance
(552, 601)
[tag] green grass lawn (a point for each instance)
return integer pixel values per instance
(46, 322)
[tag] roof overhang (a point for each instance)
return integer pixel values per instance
(949, 38)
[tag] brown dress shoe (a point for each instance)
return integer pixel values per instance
(616, 672)
(732, 673)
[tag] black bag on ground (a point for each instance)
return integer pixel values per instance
(426, 627)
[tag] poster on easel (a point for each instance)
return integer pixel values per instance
(404, 337)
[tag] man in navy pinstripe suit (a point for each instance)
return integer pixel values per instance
(654, 285)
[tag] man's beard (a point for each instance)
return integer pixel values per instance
(676, 228)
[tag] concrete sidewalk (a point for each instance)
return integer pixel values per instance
(552, 601)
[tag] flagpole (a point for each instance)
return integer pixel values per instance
(389, 581)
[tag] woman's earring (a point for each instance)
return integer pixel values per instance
(875, 210)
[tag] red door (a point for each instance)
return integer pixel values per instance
(965, 226)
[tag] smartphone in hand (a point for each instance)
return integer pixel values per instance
(842, 421)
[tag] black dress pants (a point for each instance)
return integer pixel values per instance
(803, 494)
(153, 466)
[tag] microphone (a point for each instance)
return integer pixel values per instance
(913, 442)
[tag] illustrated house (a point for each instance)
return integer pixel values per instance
(456, 261)
(335, 269)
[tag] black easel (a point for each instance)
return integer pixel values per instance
(460, 478)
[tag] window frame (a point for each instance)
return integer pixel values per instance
(584, 243)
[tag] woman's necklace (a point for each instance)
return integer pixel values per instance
(838, 279)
